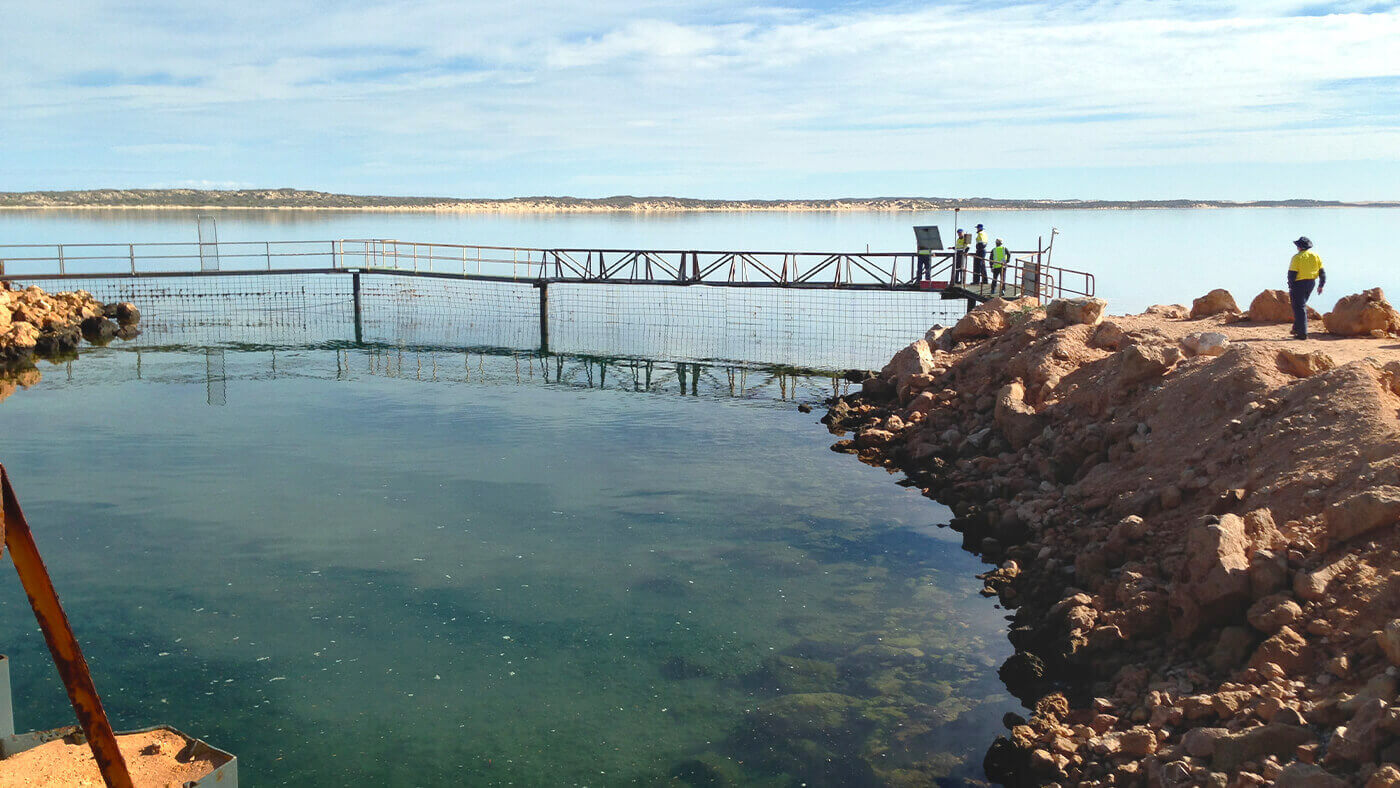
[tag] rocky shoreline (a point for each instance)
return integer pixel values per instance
(1193, 520)
(35, 324)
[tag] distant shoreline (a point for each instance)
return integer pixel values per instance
(294, 199)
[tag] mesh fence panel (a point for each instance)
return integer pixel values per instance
(816, 328)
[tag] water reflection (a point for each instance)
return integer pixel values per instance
(416, 565)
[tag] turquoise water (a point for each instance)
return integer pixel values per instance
(443, 557)
(1139, 257)
(434, 567)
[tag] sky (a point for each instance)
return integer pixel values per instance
(1128, 99)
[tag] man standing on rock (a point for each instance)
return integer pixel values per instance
(1303, 271)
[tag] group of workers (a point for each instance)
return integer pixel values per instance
(999, 257)
(1304, 271)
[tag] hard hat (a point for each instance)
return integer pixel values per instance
(979, 226)
(999, 240)
(1303, 242)
(960, 230)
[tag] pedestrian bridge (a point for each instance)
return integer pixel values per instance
(817, 310)
(1028, 272)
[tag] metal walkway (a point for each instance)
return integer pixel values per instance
(1028, 272)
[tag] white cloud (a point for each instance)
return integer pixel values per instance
(727, 89)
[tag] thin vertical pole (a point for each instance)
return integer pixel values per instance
(267, 250)
(359, 326)
(544, 315)
(60, 258)
(67, 655)
(131, 254)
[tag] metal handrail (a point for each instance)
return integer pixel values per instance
(892, 270)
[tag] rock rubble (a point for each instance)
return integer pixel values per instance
(1197, 535)
(37, 324)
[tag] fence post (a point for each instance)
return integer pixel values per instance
(359, 327)
(60, 259)
(131, 253)
(543, 285)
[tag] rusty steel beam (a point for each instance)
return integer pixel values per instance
(67, 655)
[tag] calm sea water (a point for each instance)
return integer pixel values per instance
(1139, 257)
(436, 559)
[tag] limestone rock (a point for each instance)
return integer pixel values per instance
(1145, 362)
(1169, 311)
(1388, 776)
(1285, 648)
(1108, 336)
(1014, 417)
(1304, 365)
(1213, 303)
(1273, 613)
(915, 359)
(991, 318)
(1306, 775)
(1362, 313)
(1215, 586)
(1085, 311)
(1205, 343)
(1362, 513)
(1231, 751)
(1274, 306)
(1360, 738)
(1389, 639)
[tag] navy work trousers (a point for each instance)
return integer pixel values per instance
(1298, 292)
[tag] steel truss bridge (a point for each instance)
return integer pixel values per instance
(1029, 272)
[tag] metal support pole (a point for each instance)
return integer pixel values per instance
(67, 655)
(131, 253)
(267, 251)
(359, 326)
(543, 285)
(60, 258)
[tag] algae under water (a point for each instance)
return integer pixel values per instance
(352, 569)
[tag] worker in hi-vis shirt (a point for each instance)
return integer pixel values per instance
(1000, 256)
(1304, 270)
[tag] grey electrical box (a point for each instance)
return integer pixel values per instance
(928, 237)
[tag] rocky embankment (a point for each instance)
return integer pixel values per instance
(35, 324)
(1193, 519)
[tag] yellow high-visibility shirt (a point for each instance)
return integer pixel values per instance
(982, 237)
(961, 243)
(1307, 264)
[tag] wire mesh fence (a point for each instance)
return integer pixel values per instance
(826, 329)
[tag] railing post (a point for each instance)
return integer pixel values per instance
(131, 253)
(267, 250)
(543, 285)
(60, 259)
(355, 287)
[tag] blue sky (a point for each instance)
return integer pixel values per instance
(707, 98)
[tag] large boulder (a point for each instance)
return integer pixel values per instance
(1145, 362)
(1362, 313)
(1214, 584)
(1086, 311)
(993, 317)
(1274, 306)
(1169, 311)
(1362, 513)
(1205, 343)
(915, 359)
(1214, 303)
(1014, 417)
(1304, 365)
